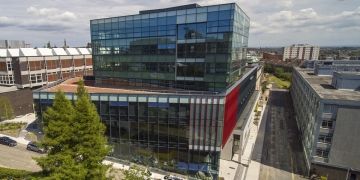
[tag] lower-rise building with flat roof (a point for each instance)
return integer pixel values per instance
(327, 113)
(171, 129)
(29, 67)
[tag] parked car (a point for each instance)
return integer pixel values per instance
(8, 141)
(32, 146)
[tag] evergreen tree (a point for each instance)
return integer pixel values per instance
(91, 144)
(75, 137)
(59, 163)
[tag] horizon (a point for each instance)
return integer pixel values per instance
(325, 23)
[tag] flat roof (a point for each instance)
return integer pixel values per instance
(167, 9)
(4, 89)
(70, 86)
(322, 86)
(3, 53)
(175, 8)
(40, 52)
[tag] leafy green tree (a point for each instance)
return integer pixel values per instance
(278, 71)
(137, 173)
(6, 110)
(58, 129)
(91, 144)
(268, 68)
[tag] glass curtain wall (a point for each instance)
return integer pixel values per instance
(159, 131)
(197, 49)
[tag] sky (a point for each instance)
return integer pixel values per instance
(273, 22)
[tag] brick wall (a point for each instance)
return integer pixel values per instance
(21, 101)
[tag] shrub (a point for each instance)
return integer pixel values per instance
(6, 173)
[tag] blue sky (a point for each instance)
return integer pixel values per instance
(273, 22)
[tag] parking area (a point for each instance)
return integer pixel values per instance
(18, 158)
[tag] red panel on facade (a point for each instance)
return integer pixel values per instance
(231, 109)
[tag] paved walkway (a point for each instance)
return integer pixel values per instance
(253, 168)
(28, 118)
(278, 154)
(239, 167)
(117, 165)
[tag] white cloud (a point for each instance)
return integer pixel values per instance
(272, 21)
(307, 20)
(51, 13)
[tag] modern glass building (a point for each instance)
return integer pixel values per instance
(169, 84)
(188, 47)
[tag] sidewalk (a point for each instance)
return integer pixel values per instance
(117, 165)
(28, 118)
(253, 169)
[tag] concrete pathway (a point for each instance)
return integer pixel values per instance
(28, 119)
(117, 165)
(253, 171)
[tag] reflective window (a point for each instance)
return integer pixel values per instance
(190, 70)
(213, 16)
(224, 15)
(191, 50)
(192, 31)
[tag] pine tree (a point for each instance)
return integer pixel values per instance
(75, 137)
(91, 144)
(58, 129)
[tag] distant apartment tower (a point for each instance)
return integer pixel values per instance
(327, 112)
(28, 67)
(4, 44)
(301, 52)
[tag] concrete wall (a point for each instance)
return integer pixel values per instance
(346, 81)
(345, 148)
(333, 173)
(21, 101)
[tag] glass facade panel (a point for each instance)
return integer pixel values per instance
(133, 46)
(155, 131)
(200, 48)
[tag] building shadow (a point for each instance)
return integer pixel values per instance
(278, 142)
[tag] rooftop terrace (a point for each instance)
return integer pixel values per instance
(70, 86)
(322, 86)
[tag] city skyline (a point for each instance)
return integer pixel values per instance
(291, 21)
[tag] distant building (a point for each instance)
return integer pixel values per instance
(271, 56)
(28, 67)
(355, 58)
(327, 112)
(301, 52)
(328, 67)
(4, 44)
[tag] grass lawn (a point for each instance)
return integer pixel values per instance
(11, 129)
(7, 173)
(279, 82)
(31, 137)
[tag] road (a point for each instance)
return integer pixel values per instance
(18, 158)
(282, 156)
